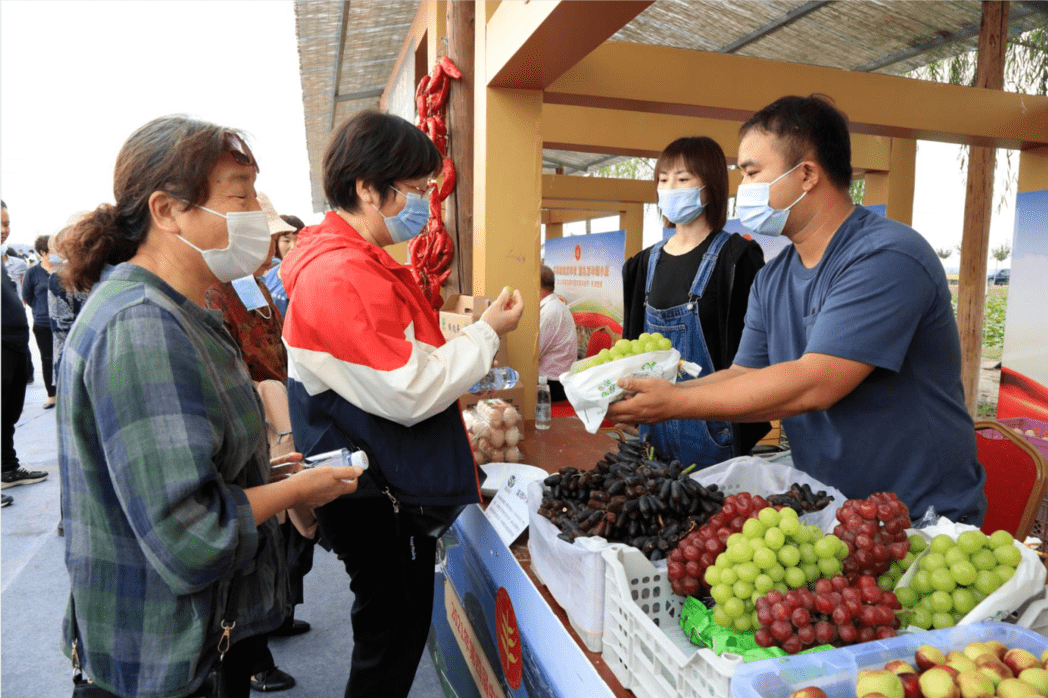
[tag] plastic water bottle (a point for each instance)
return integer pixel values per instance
(543, 406)
(498, 378)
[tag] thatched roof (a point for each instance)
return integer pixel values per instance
(348, 50)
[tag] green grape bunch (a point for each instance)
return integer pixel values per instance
(645, 343)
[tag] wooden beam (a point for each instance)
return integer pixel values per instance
(894, 188)
(643, 134)
(1033, 170)
(975, 239)
(531, 44)
(461, 26)
(597, 189)
(579, 205)
(632, 77)
(572, 216)
(343, 21)
(632, 221)
(414, 35)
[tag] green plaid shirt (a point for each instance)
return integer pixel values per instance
(159, 432)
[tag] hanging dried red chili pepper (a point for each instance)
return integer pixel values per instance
(431, 252)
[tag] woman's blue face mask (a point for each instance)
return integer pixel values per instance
(412, 218)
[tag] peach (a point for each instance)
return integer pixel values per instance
(928, 656)
(879, 681)
(936, 682)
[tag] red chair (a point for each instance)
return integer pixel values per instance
(601, 339)
(1016, 479)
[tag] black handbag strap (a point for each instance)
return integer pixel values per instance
(223, 642)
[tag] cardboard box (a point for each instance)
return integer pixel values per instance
(514, 396)
(461, 310)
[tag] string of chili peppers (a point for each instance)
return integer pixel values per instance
(431, 251)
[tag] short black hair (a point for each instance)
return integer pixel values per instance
(547, 279)
(809, 124)
(378, 149)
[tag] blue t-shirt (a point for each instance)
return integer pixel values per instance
(276, 289)
(879, 296)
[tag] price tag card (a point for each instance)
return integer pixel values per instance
(508, 511)
(249, 292)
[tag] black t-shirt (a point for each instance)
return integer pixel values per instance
(15, 325)
(723, 304)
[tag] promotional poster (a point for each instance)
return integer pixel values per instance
(1024, 361)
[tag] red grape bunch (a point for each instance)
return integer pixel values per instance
(875, 531)
(836, 613)
(699, 550)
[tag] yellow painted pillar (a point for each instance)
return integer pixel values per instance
(894, 188)
(632, 221)
(436, 30)
(554, 230)
(1033, 170)
(506, 206)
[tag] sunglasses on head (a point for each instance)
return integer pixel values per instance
(235, 147)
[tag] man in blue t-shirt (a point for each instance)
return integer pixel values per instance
(850, 338)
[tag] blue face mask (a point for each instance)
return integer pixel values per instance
(54, 259)
(412, 218)
(681, 206)
(755, 211)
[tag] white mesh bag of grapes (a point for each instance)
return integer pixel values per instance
(591, 384)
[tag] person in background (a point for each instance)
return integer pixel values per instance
(15, 370)
(16, 269)
(34, 293)
(248, 311)
(693, 289)
(850, 336)
(370, 369)
(169, 497)
(285, 243)
(63, 305)
(558, 339)
(251, 318)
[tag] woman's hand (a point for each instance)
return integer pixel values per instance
(322, 484)
(283, 467)
(504, 314)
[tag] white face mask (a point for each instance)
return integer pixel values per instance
(751, 203)
(248, 245)
(681, 206)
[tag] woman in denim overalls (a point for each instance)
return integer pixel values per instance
(697, 296)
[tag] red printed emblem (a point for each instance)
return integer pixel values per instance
(509, 639)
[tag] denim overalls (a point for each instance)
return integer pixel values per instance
(690, 441)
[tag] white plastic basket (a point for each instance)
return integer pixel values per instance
(644, 645)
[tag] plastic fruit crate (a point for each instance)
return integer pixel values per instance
(835, 671)
(643, 643)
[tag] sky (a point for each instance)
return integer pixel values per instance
(79, 76)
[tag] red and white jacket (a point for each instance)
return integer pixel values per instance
(367, 361)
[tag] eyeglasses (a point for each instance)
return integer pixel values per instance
(238, 150)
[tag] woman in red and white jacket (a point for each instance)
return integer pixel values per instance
(370, 369)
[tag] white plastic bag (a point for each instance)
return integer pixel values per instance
(573, 572)
(1027, 582)
(591, 391)
(759, 476)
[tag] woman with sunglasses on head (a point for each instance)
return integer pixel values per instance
(369, 369)
(171, 540)
(693, 288)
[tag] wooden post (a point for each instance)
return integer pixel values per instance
(975, 240)
(461, 18)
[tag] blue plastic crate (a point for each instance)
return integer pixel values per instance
(835, 671)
